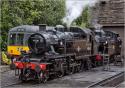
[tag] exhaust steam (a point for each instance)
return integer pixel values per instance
(74, 9)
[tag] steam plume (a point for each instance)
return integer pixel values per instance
(74, 9)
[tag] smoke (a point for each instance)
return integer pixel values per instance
(74, 9)
(97, 26)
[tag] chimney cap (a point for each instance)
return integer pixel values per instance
(42, 27)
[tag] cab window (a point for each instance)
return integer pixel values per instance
(26, 37)
(20, 39)
(12, 39)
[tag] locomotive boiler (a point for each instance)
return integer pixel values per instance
(49, 41)
(52, 41)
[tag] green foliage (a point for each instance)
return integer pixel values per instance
(21, 12)
(83, 20)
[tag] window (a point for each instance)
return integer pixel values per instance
(26, 37)
(12, 39)
(20, 39)
(101, 34)
(78, 32)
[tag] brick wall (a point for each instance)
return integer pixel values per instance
(111, 13)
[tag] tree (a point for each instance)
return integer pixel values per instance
(83, 20)
(51, 11)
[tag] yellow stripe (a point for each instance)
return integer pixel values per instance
(15, 50)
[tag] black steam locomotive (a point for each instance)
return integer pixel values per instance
(58, 51)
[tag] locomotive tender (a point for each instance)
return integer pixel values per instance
(57, 51)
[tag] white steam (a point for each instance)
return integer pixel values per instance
(97, 26)
(74, 9)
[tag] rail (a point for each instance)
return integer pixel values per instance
(109, 81)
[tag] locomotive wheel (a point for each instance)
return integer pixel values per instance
(89, 65)
(78, 69)
(60, 74)
(42, 77)
(22, 78)
(81, 68)
(71, 70)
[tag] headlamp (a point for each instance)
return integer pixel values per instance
(106, 42)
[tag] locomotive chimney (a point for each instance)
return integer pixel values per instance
(42, 27)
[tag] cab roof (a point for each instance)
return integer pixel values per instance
(85, 30)
(27, 28)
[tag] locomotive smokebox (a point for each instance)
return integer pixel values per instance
(42, 27)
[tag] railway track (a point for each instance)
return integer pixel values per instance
(109, 82)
